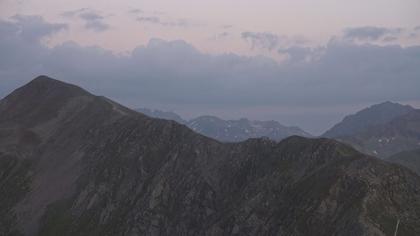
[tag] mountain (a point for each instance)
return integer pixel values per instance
(375, 115)
(167, 115)
(72, 163)
(230, 130)
(400, 134)
(242, 129)
(409, 159)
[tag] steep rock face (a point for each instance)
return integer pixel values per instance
(378, 114)
(83, 165)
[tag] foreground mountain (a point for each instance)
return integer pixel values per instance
(378, 114)
(409, 159)
(231, 130)
(76, 164)
(400, 134)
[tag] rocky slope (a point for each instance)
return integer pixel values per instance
(409, 159)
(400, 134)
(378, 114)
(76, 164)
(231, 130)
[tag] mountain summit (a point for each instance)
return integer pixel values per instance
(381, 130)
(375, 115)
(72, 163)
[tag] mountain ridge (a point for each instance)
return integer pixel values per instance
(230, 130)
(377, 114)
(94, 168)
(400, 134)
(409, 159)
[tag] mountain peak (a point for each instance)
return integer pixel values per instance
(45, 79)
(389, 104)
(41, 97)
(44, 83)
(377, 114)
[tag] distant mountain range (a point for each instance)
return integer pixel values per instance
(230, 130)
(72, 163)
(381, 130)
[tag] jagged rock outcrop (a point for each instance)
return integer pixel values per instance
(72, 163)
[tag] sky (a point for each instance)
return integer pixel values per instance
(306, 63)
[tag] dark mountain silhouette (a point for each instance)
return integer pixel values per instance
(230, 130)
(72, 163)
(375, 115)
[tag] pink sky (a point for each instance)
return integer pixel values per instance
(313, 22)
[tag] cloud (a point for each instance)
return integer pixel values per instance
(271, 41)
(93, 20)
(263, 40)
(150, 19)
(32, 28)
(170, 23)
(73, 13)
(135, 11)
(370, 33)
(221, 36)
(226, 27)
(299, 54)
(174, 73)
(390, 39)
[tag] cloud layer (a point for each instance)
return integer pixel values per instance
(176, 74)
(92, 20)
(372, 33)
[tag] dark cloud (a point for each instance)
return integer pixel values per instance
(263, 40)
(370, 33)
(174, 73)
(32, 28)
(93, 20)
